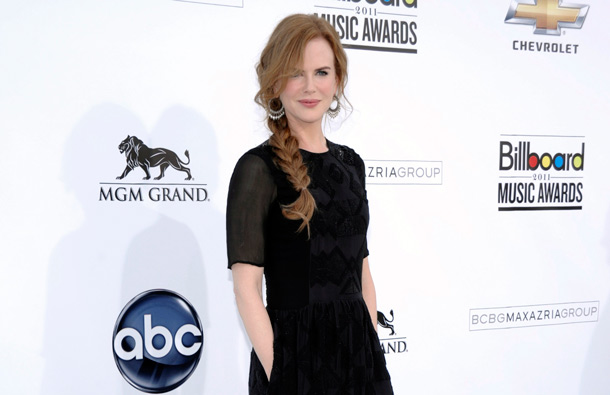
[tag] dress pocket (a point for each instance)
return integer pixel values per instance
(258, 383)
(275, 367)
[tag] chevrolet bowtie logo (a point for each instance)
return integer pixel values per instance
(549, 16)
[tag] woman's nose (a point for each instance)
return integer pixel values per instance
(309, 84)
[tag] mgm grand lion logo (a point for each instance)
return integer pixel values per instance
(138, 154)
(385, 323)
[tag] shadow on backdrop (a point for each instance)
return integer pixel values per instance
(83, 289)
(123, 248)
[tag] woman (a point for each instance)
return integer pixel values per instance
(297, 213)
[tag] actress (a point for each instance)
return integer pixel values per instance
(297, 213)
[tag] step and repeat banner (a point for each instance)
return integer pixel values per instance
(484, 129)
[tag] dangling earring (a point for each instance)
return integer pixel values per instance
(275, 114)
(333, 112)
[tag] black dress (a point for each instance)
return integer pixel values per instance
(324, 340)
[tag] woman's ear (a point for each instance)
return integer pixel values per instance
(277, 87)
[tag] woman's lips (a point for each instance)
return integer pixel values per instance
(309, 103)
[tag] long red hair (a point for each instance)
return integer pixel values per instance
(282, 55)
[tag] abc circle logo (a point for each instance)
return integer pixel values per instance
(157, 341)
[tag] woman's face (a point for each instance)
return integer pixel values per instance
(309, 92)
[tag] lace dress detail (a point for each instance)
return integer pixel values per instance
(324, 341)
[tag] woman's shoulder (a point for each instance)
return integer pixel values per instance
(263, 150)
(255, 166)
(346, 154)
(261, 154)
(256, 162)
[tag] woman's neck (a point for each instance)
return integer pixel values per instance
(310, 139)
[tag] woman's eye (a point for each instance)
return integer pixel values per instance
(322, 72)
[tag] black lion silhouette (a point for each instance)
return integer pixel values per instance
(385, 323)
(139, 154)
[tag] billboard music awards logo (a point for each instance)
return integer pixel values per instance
(157, 341)
(142, 160)
(392, 344)
(403, 172)
(548, 17)
(374, 25)
(539, 172)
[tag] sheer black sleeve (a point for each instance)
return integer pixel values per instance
(251, 192)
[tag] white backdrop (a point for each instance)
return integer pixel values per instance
(77, 77)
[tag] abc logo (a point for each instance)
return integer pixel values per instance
(157, 341)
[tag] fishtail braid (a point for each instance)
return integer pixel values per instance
(289, 159)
